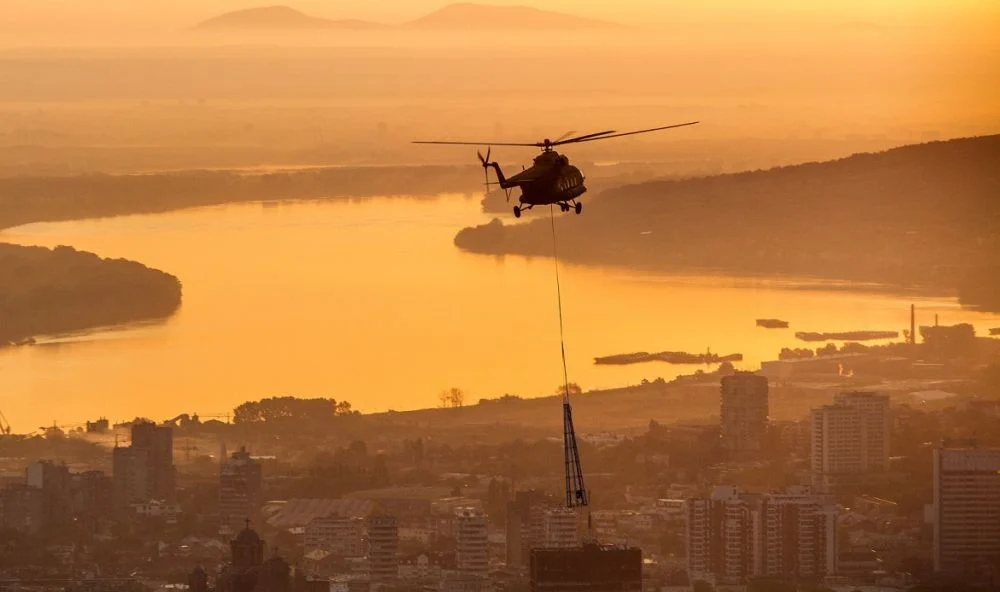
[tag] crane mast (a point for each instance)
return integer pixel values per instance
(576, 491)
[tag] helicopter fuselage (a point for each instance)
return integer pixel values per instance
(549, 180)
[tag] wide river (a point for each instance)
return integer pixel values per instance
(369, 301)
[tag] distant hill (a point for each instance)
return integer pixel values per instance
(454, 17)
(467, 16)
(917, 216)
(278, 18)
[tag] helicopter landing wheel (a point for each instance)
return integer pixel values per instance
(564, 207)
(578, 207)
(517, 212)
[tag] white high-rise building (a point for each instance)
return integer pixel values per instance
(561, 528)
(967, 511)
(850, 437)
(734, 536)
(472, 551)
(383, 548)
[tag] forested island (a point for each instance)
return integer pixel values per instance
(24, 200)
(920, 216)
(48, 291)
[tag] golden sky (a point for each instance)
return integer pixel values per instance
(54, 14)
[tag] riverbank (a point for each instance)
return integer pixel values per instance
(912, 218)
(24, 200)
(51, 291)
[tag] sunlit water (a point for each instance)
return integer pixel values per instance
(371, 302)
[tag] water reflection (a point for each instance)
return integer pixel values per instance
(369, 301)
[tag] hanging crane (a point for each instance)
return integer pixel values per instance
(576, 491)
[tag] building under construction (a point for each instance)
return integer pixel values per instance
(588, 568)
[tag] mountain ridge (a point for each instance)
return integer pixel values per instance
(472, 16)
(278, 17)
(460, 17)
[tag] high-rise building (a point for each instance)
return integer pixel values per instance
(588, 568)
(967, 511)
(797, 535)
(719, 532)
(744, 413)
(525, 526)
(849, 437)
(239, 490)
(472, 545)
(561, 528)
(383, 548)
(55, 483)
(144, 470)
(875, 425)
(734, 536)
(92, 497)
(22, 508)
(341, 536)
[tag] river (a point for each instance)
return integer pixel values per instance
(369, 301)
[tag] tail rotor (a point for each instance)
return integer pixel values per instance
(485, 160)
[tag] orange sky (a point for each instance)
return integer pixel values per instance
(58, 14)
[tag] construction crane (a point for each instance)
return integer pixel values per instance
(576, 491)
(4, 426)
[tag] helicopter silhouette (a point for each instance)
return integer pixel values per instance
(551, 179)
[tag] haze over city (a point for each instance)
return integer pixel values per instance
(515, 295)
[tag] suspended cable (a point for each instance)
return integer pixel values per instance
(562, 338)
(576, 491)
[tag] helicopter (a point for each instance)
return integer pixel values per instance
(550, 179)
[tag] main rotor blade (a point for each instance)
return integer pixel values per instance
(606, 137)
(478, 143)
(564, 136)
(581, 138)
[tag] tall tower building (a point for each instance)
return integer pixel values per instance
(720, 536)
(849, 437)
(239, 489)
(158, 441)
(744, 413)
(472, 551)
(797, 536)
(383, 548)
(967, 511)
(525, 526)
(144, 470)
(55, 483)
(875, 425)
